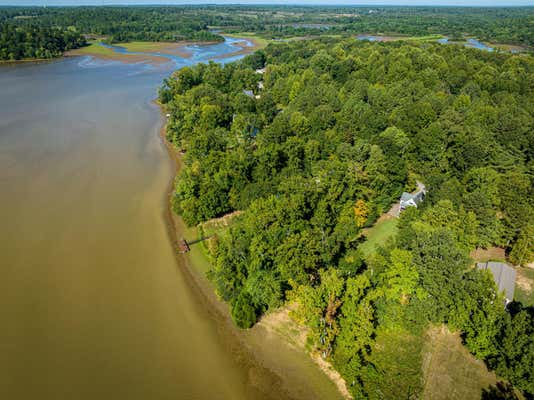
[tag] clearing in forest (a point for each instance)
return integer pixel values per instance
(450, 372)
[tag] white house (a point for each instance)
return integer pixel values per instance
(412, 199)
(249, 93)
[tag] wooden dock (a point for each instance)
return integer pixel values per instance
(183, 246)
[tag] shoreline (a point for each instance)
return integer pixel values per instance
(194, 278)
(274, 322)
(31, 60)
(163, 48)
(176, 227)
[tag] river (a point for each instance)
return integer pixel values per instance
(94, 302)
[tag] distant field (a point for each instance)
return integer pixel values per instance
(146, 46)
(93, 49)
(259, 41)
(378, 234)
(427, 38)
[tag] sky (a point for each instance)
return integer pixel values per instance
(300, 2)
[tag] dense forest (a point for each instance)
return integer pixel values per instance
(33, 41)
(38, 32)
(119, 24)
(501, 25)
(44, 32)
(335, 131)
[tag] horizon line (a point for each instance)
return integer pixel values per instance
(278, 4)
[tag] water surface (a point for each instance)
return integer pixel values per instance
(94, 304)
(472, 43)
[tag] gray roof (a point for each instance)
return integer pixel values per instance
(406, 196)
(416, 197)
(503, 275)
(419, 196)
(249, 93)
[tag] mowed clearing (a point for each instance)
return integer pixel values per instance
(378, 234)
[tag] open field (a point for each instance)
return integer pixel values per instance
(150, 47)
(427, 38)
(450, 372)
(395, 37)
(378, 234)
(397, 356)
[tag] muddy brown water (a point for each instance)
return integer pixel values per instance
(93, 302)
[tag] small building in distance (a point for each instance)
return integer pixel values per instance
(248, 93)
(504, 277)
(412, 199)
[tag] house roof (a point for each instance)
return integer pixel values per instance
(503, 275)
(416, 197)
(419, 196)
(406, 196)
(249, 93)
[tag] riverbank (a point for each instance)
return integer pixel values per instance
(157, 53)
(278, 324)
(100, 52)
(28, 61)
(257, 41)
(153, 52)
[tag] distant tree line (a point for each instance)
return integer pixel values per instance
(31, 41)
(118, 24)
(45, 32)
(339, 130)
(500, 25)
(38, 32)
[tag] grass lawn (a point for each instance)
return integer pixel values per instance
(197, 255)
(524, 288)
(378, 234)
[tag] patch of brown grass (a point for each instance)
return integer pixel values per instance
(490, 254)
(450, 372)
(222, 222)
(524, 282)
